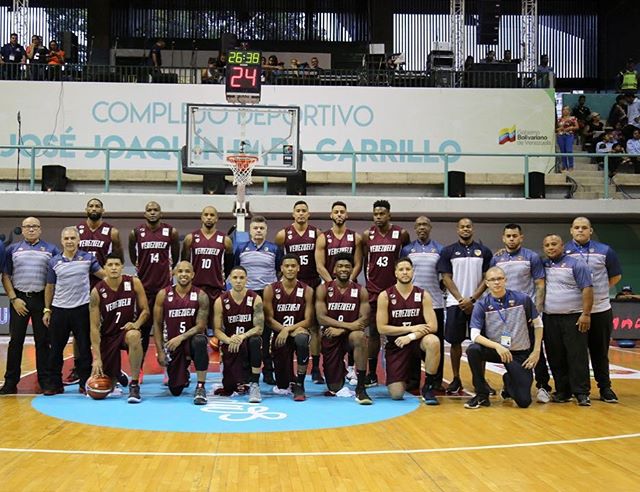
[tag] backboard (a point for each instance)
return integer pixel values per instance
(216, 132)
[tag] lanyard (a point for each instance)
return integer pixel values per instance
(579, 248)
(500, 306)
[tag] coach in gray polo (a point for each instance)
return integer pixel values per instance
(67, 307)
(23, 278)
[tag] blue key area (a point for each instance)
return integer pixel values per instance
(159, 411)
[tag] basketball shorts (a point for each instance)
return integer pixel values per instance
(333, 352)
(399, 360)
(110, 348)
(283, 362)
(456, 327)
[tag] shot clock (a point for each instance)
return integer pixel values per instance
(242, 77)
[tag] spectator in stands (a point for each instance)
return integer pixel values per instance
(633, 147)
(566, 128)
(313, 68)
(627, 79)
(490, 58)
(581, 111)
(12, 56)
(618, 112)
(468, 63)
(37, 57)
(617, 164)
(272, 68)
(626, 294)
(155, 54)
(221, 62)
(545, 72)
(55, 59)
(606, 143)
(633, 116)
(593, 131)
(210, 74)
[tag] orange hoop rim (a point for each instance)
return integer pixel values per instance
(242, 162)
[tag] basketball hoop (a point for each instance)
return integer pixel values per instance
(241, 165)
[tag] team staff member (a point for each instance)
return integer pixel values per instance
(462, 265)
(525, 273)
(500, 333)
(342, 308)
(66, 300)
(567, 318)
(300, 238)
(117, 309)
(405, 315)
(179, 322)
(154, 249)
(238, 320)
(24, 277)
(381, 246)
(261, 259)
(424, 253)
(605, 266)
(288, 309)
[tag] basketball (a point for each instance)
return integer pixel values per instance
(98, 387)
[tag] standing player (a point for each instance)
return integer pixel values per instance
(525, 273)
(462, 265)
(381, 246)
(300, 238)
(179, 322)
(342, 308)
(117, 309)
(405, 315)
(288, 309)
(238, 319)
(154, 249)
(604, 264)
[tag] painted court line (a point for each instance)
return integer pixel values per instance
(324, 453)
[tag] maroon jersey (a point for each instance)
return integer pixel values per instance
(334, 245)
(97, 242)
(382, 252)
(343, 306)
(180, 313)
(237, 318)
(288, 308)
(304, 245)
(117, 308)
(154, 257)
(207, 258)
(405, 312)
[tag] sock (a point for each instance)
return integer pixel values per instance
(350, 359)
(254, 378)
(361, 377)
(373, 366)
(430, 380)
(300, 379)
(315, 362)
(134, 382)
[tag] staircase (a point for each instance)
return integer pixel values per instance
(589, 181)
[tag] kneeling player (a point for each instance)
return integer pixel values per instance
(342, 308)
(114, 303)
(405, 315)
(238, 319)
(183, 311)
(288, 310)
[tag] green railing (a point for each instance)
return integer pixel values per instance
(31, 152)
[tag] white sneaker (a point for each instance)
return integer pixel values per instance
(254, 393)
(543, 396)
(116, 392)
(352, 377)
(282, 392)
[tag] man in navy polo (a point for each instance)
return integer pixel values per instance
(605, 266)
(525, 273)
(261, 259)
(462, 265)
(500, 333)
(12, 56)
(567, 318)
(23, 278)
(66, 299)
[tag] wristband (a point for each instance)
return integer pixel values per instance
(46, 310)
(412, 336)
(13, 299)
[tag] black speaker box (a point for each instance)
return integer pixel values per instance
(489, 12)
(70, 46)
(213, 184)
(164, 78)
(456, 180)
(228, 42)
(297, 184)
(536, 185)
(54, 178)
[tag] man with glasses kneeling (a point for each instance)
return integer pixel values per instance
(500, 332)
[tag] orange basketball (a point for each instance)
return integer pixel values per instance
(98, 387)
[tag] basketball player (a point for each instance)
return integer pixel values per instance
(405, 315)
(288, 309)
(381, 246)
(300, 238)
(342, 308)
(179, 322)
(238, 319)
(117, 309)
(154, 249)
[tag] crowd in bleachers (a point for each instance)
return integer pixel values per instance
(35, 62)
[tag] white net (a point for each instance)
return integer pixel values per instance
(241, 165)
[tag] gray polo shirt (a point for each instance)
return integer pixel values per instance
(71, 279)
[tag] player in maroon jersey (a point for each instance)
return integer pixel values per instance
(381, 247)
(342, 308)
(118, 308)
(180, 318)
(154, 250)
(405, 315)
(300, 238)
(288, 309)
(238, 319)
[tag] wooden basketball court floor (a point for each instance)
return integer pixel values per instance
(447, 448)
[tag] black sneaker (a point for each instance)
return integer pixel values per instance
(134, 394)
(428, 395)
(583, 400)
(477, 402)
(371, 380)
(455, 386)
(123, 379)
(362, 397)
(267, 377)
(492, 391)
(606, 395)
(9, 389)
(200, 397)
(72, 378)
(316, 376)
(560, 397)
(298, 393)
(504, 394)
